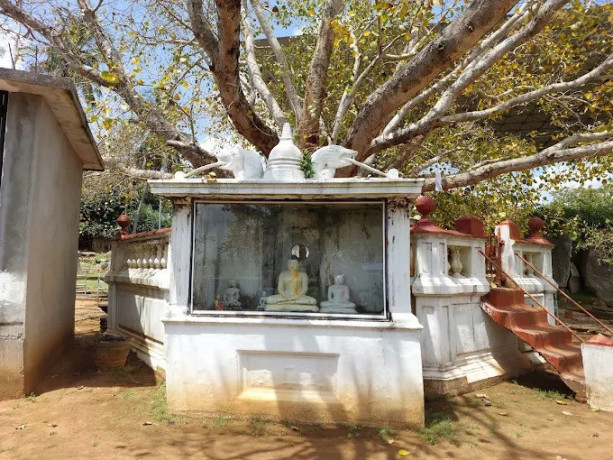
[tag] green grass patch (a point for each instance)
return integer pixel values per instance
(159, 409)
(220, 422)
(31, 397)
(439, 427)
(550, 394)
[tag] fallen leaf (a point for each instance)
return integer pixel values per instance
(594, 409)
(404, 453)
(480, 395)
(20, 427)
(565, 412)
(487, 402)
(504, 414)
(562, 403)
(390, 441)
(81, 387)
(147, 423)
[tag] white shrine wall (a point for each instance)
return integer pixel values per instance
(138, 280)
(358, 371)
(462, 348)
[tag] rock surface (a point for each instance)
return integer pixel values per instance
(560, 260)
(574, 282)
(598, 278)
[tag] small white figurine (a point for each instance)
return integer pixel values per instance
(244, 164)
(292, 287)
(231, 296)
(338, 298)
(328, 159)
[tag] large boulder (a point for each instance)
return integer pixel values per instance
(560, 260)
(598, 277)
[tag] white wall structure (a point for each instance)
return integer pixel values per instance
(597, 356)
(308, 368)
(462, 348)
(537, 251)
(138, 280)
(47, 145)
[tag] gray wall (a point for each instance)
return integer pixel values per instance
(39, 215)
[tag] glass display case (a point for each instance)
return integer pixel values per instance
(291, 258)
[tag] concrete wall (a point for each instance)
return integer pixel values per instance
(39, 215)
(598, 367)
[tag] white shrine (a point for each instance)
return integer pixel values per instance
(309, 299)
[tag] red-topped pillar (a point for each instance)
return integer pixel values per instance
(536, 224)
(124, 222)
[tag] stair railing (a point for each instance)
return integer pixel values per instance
(566, 296)
(537, 303)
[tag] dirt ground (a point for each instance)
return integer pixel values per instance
(79, 412)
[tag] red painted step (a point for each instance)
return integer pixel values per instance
(554, 343)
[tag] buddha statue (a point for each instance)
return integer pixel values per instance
(338, 298)
(291, 291)
(231, 296)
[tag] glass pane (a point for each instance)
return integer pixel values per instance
(289, 257)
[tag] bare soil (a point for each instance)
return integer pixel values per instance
(79, 412)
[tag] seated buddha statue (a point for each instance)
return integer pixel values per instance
(291, 290)
(231, 296)
(338, 298)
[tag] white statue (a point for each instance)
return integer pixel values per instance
(338, 298)
(328, 159)
(244, 164)
(231, 296)
(292, 287)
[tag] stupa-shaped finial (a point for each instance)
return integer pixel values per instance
(284, 159)
(286, 133)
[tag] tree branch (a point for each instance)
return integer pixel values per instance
(525, 98)
(317, 78)
(223, 53)
(286, 71)
(474, 70)
(255, 75)
(451, 43)
(146, 113)
(551, 155)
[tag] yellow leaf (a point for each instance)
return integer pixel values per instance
(404, 453)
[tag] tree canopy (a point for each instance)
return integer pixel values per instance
(475, 89)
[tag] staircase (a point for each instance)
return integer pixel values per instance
(554, 343)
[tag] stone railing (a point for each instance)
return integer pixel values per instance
(141, 258)
(537, 251)
(139, 280)
(447, 262)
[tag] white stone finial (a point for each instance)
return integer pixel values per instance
(284, 159)
(286, 133)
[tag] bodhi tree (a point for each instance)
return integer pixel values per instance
(418, 85)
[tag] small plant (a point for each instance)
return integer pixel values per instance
(438, 428)
(307, 165)
(220, 422)
(258, 426)
(31, 397)
(354, 431)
